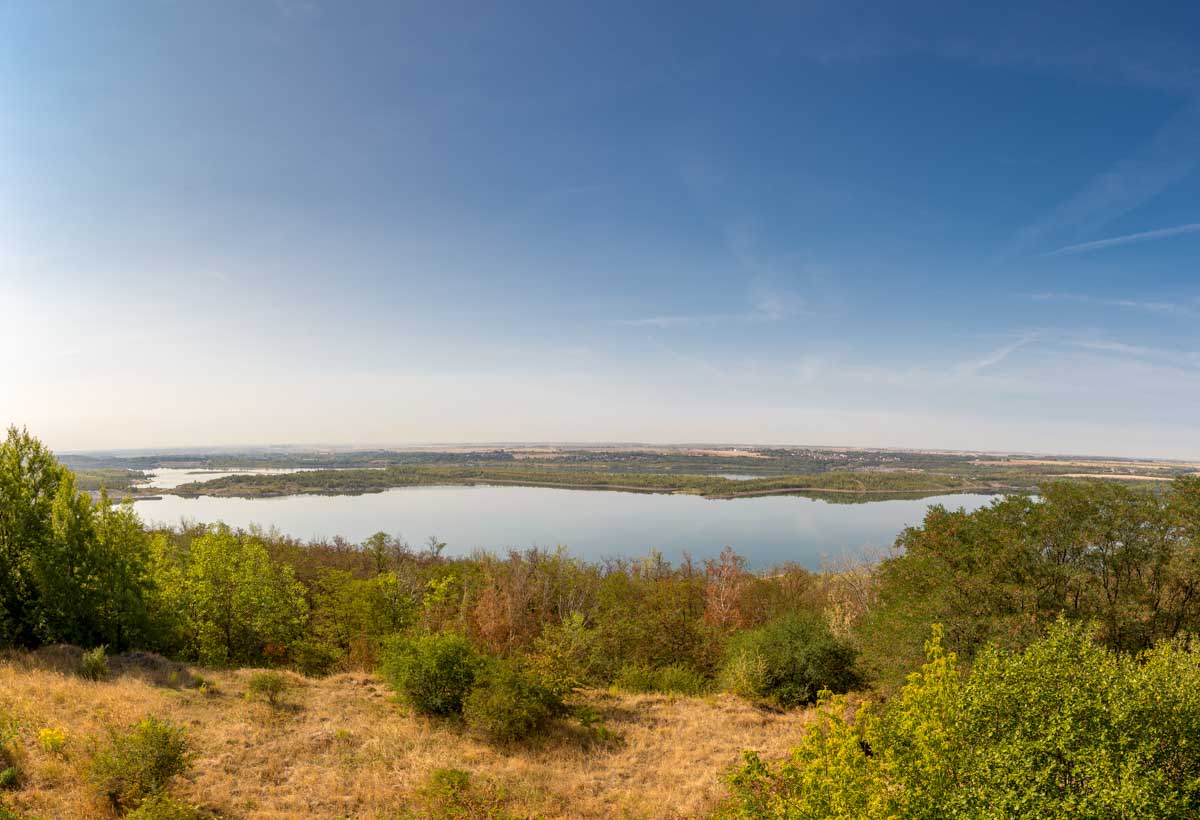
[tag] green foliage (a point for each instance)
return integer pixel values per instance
(509, 703)
(1126, 559)
(456, 795)
(267, 685)
(597, 731)
(29, 483)
(351, 616)
(93, 664)
(788, 661)
(70, 570)
(10, 757)
(433, 673)
(675, 680)
(239, 602)
(653, 618)
(827, 776)
(140, 763)
(1066, 728)
(164, 807)
(565, 655)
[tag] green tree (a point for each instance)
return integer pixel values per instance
(29, 482)
(1093, 551)
(350, 617)
(242, 606)
(125, 615)
(385, 551)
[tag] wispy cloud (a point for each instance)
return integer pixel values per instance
(973, 366)
(1186, 359)
(1165, 159)
(949, 375)
(750, 317)
(1127, 239)
(766, 305)
(1148, 306)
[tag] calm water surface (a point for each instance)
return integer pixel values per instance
(592, 524)
(170, 478)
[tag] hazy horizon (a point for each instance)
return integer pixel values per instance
(442, 446)
(915, 228)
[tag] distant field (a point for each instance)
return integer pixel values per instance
(349, 481)
(631, 468)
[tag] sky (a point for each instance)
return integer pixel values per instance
(968, 226)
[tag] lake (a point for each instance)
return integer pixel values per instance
(169, 478)
(592, 524)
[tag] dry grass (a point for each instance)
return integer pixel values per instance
(340, 747)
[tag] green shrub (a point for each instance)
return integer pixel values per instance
(165, 807)
(593, 725)
(565, 655)
(314, 658)
(1063, 729)
(674, 679)
(509, 703)
(10, 755)
(788, 662)
(453, 793)
(267, 685)
(679, 680)
(433, 673)
(140, 763)
(94, 664)
(633, 678)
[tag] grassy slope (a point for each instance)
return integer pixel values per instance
(341, 747)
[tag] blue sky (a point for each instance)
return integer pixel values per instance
(830, 223)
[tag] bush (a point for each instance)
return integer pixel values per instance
(565, 655)
(94, 664)
(268, 686)
(509, 703)
(1064, 729)
(674, 679)
(140, 763)
(165, 807)
(10, 753)
(433, 673)
(788, 662)
(453, 793)
(314, 658)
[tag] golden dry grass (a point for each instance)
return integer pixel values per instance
(341, 747)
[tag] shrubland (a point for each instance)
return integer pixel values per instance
(1059, 672)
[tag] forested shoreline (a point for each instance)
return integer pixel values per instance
(1002, 605)
(353, 481)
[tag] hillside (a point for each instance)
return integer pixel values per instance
(340, 746)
